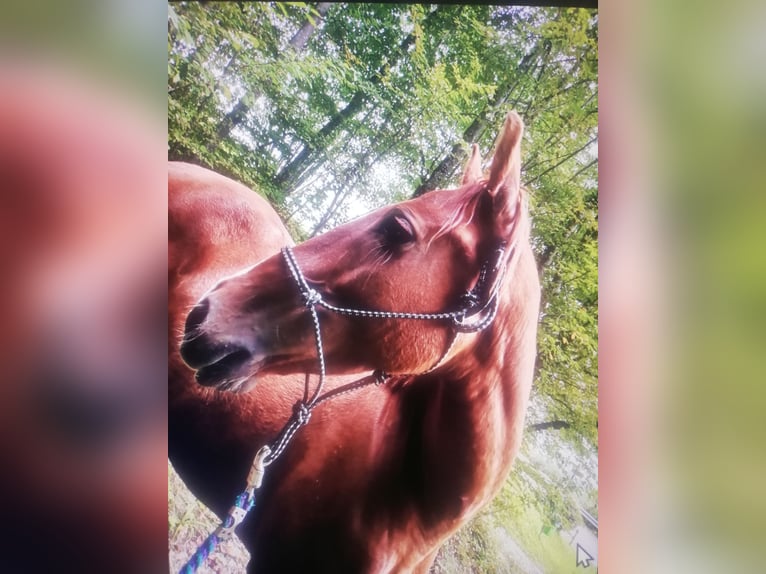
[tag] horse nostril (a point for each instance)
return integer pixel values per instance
(197, 316)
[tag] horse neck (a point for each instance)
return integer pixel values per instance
(500, 359)
(474, 406)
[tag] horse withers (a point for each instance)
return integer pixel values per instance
(441, 295)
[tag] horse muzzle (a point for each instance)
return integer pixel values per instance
(216, 363)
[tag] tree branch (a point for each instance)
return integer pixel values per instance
(557, 424)
(564, 159)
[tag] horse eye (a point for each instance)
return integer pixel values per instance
(397, 231)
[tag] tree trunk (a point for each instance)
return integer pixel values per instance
(230, 120)
(455, 158)
(443, 172)
(337, 200)
(288, 176)
(298, 41)
(239, 112)
(549, 425)
(354, 174)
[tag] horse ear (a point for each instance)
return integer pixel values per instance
(505, 173)
(472, 172)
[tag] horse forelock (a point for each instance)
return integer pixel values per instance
(464, 212)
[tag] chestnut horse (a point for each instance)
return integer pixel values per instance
(441, 294)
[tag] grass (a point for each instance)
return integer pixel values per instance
(550, 551)
(503, 539)
(508, 538)
(475, 549)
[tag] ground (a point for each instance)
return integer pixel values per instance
(483, 546)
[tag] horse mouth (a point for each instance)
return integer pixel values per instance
(224, 372)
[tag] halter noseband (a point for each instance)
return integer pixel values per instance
(480, 302)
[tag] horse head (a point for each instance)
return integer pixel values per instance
(389, 290)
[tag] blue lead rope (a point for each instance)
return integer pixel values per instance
(244, 503)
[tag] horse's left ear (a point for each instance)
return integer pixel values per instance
(472, 172)
(505, 173)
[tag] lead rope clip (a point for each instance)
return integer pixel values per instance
(257, 470)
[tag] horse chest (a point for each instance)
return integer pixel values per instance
(407, 477)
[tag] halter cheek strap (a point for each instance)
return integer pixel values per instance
(476, 310)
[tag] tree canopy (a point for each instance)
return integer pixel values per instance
(330, 110)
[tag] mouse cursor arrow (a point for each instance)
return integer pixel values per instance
(583, 558)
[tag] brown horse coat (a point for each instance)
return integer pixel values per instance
(378, 480)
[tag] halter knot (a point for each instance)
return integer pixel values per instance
(380, 377)
(311, 297)
(469, 299)
(302, 412)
